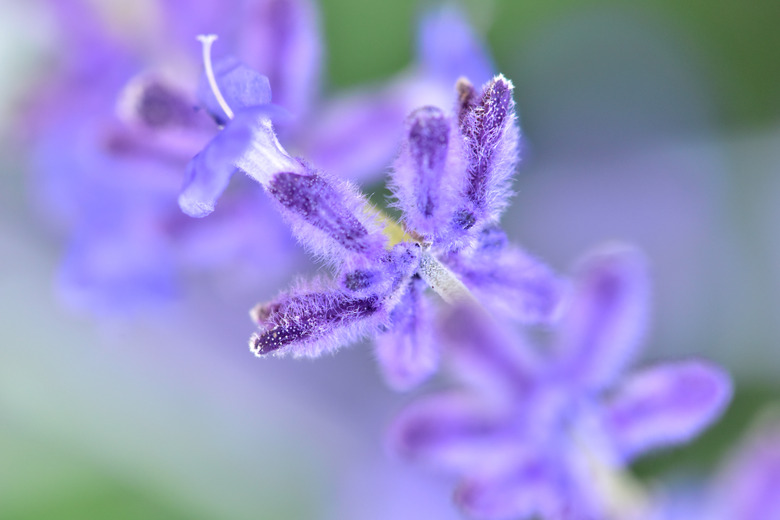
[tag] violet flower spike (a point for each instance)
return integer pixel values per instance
(431, 181)
(548, 440)
(108, 108)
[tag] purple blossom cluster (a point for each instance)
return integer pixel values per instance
(548, 432)
(450, 182)
(537, 430)
(543, 417)
(115, 125)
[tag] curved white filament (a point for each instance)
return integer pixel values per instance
(207, 40)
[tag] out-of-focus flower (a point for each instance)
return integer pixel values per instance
(113, 129)
(451, 181)
(549, 433)
(747, 486)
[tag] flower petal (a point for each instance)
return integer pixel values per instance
(119, 268)
(241, 86)
(427, 171)
(483, 354)
(449, 431)
(408, 352)
(313, 319)
(507, 280)
(492, 140)
(247, 143)
(358, 134)
(527, 486)
(605, 320)
(209, 172)
(665, 405)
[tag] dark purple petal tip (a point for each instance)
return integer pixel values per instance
(313, 199)
(427, 170)
(308, 323)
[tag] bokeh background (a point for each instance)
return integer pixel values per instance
(653, 122)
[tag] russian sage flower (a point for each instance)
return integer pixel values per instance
(450, 181)
(112, 131)
(548, 432)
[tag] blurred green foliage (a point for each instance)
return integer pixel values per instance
(43, 480)
(738, 42)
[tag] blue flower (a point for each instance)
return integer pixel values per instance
(451, 183)
(112, 132)
(549, 431)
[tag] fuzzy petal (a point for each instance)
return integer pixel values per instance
(492, 139)
(314, 319)
(665, 405)
(427, 171)
(408, 352)
(507, 280)
(606, 317)
(328, 215)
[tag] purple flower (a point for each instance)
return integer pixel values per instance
(450, 182)
(550, 432)
(112, 133)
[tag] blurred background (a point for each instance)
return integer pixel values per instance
(656, 123)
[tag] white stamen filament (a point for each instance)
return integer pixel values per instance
(207, 40)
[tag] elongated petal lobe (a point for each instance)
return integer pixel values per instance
(666, 405)
(311, 322)
(606, 317)
(327, 215)
(507, 280)
(491, 138)
(427, 171)
(485, 356)
(409, 351)
(449, 431)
